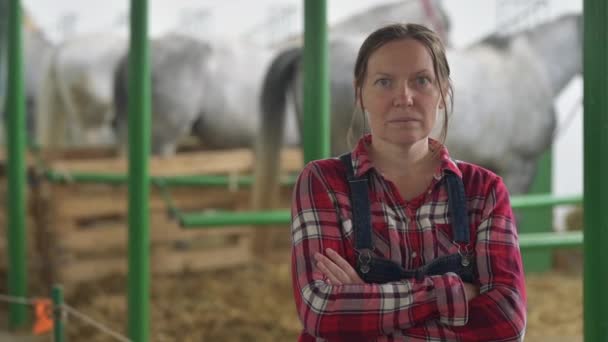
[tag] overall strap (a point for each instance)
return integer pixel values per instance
(359, 199)
(458, 208)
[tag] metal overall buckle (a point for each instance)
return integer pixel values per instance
(365, 258)
(465, 256)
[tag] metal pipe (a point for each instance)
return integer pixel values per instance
(206, 220)
(543, 200)
(58, 331)
(529, 241)
(191, 180)
(3, 53)
(282, 216)
(595, 165)
(15, 127)
(139, 182)
(316, 82)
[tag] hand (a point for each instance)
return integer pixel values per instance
(337, 270)
(471, 291)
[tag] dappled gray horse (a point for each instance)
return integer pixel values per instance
(503, 105)
(76, 98)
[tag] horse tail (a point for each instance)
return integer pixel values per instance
(121, 102)
(279, 78)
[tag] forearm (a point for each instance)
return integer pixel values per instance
(497, 315)
(372, 310)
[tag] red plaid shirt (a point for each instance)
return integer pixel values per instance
(411, 233)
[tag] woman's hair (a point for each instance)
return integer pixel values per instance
(426, 37)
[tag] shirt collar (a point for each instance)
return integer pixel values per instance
(362, 162)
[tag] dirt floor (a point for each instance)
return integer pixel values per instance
(254, 303)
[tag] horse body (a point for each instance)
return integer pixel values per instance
(503, 105)
(76, 99)
(234, 108)
(194, 91)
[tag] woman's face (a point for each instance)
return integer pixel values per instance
(401, 92)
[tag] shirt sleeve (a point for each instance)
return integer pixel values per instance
(499, 312)
(356, 312)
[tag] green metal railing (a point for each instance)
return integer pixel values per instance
(316, 132)
(139, 182)
(595, 183)
(283, 217)
(193, 180)
(16, 173)
(58, 326)
(533, 241)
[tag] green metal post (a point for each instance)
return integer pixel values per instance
(316, 81)
(595, 184)
(3, 55)
(538, 220)
(15, 131)
(58, 331)
(139, 186)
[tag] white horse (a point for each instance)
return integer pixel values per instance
(503, 105)
(76, 103)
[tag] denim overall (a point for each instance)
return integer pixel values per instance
(377, 270)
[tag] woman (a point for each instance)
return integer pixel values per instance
(395, 241)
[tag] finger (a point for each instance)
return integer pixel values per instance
(331, 278)
(322, 265)
(344, 265)
(336, 270)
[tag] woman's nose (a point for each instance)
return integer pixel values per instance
(404, 96)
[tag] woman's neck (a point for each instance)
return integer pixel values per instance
(395, 159)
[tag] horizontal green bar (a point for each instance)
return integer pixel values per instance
(119, 178)
(217, 219)
(551, 240)
(543, 200)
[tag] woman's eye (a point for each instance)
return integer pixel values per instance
(423, 80)
(383, 82)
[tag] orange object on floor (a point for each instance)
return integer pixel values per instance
(43, 323)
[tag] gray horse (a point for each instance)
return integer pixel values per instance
(503, 105)
(177, 63)
(75, 99)
(208, 89)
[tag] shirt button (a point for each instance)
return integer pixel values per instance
(414, 254)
